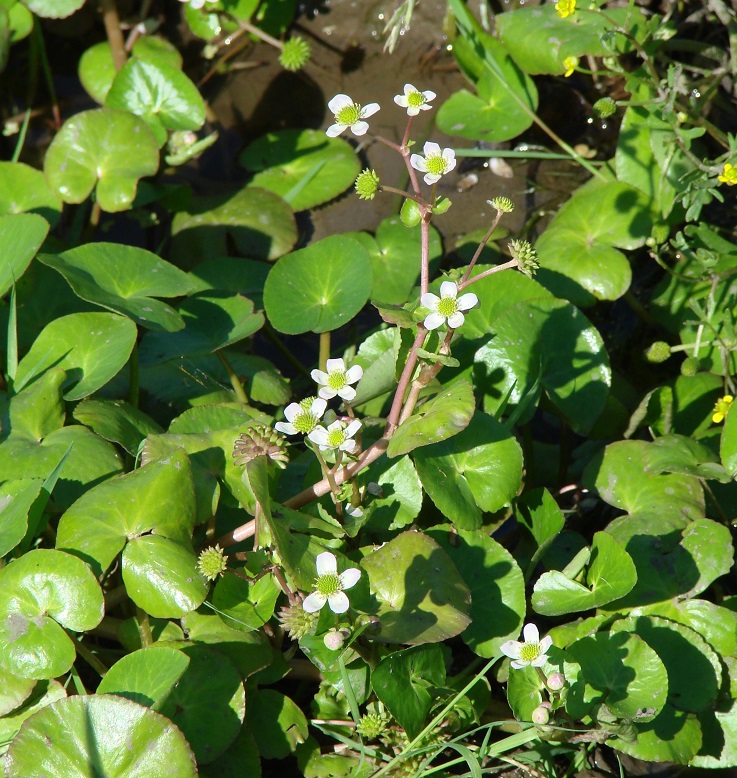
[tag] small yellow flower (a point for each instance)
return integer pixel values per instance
(721, 408)
(565, 8)
(728, 175)
(570, 64)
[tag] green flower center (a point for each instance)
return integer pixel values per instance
(305, 422)
(336, 438)
(415, 99)
(336, 380)
(328, 584)
(529, 652)
(447, 306)
(349, 114)
(436, 164)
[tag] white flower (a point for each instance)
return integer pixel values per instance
(531, 652)
(302, 417)
(414, 100)
(447, 307)
(197, 4)
(337, 380)
(349, 115)
(329, 585)
(337, 435)
(435, 163)
(356, 511)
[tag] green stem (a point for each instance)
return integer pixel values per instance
(90, 658)
(111, 20)
(40, 47)
(324, 350)
(144, 628)
(235, 381)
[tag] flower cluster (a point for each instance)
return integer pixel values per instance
(565, 8)
(721, 408)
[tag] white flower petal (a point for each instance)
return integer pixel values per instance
(346, 393)
(449, 166)
(326, 563)
(317, 408)
(433, 321)
(449, 289)
(545, 644)
(359, 128)
(432, 178)
(450, 158)
(429, 95)
(286, 428)
(430, 148)
(349, 445)
(336, 425)
(313, 602)
(319, 435)
(511, 648)
(369, 110)
(429, 300)
(334, 366)
(418, 162)
(354, 374)
(339, 602)
(339, 102)
(413, 110)
(319, 377)
(355, 511)
(334, 130)
(292, 411)
(455, 320)
(352, 428)
(349, 577)
(531, 634)
(400, 100)
(408, 89)
(539, 661)
(467, 301)
(518, 664)
(326, 392)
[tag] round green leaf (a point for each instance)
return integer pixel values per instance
(102, 148)
(479, 470)
(305, 167)
(160, 94)
(401, 498)
(124, 279)
(422, 597)
(245, 605)
(85, 737)
(547, 344)
(53, 9)
(673, 736)
(260, 223)
(158, 497)
(212, 320)
(91, 347)
(146, 676)
(117, 421)
(395, 257)
(524, 692)
(21, 236)
(618, 670)
(610, 575)
(276, 723)
(496, 584)
(161, 576)
(20, 20)
(447, 414)
(16, 499)
(40, 593)
(23, 189)
(43, 694)
(89, 460)
(318, 288)
(209, 707)
(694, 669)
(497, 113)
(242, 757)
(14, 691)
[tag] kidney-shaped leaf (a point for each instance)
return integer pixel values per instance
(16, 499)
(478, 470)
(548, 344)
(320, 287)
(23, 188)
(160, 94)
(91, 347)
(422, 597)
(40, 594)
(124, 279)
(53, 9)
(610, 575)
(158, 498)
(84, 737)
(305, 167)
(102, 148)
(21, 236)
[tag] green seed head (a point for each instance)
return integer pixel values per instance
(658, 352)
(297, 622)
(526, 256)
(349, 114)
(260, 441)
(211, 563)
(367, 184)
(689, 366)
(502, 204)
(605, 107)
(295, 54)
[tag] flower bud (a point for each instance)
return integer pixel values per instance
(295, 54)
(605, 107)
(367, 184)
(257, 441)
(556, 681)
(541, 715)
(658, 352)
(689, 367)
(296, 621)
(501, 204)
(335, 638)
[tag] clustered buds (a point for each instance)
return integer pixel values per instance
(501, 204)
(260, 441)
(212, 563)
(297, 622)
(374, 723)
(526, 256)
(295, 54)
(658, 352)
